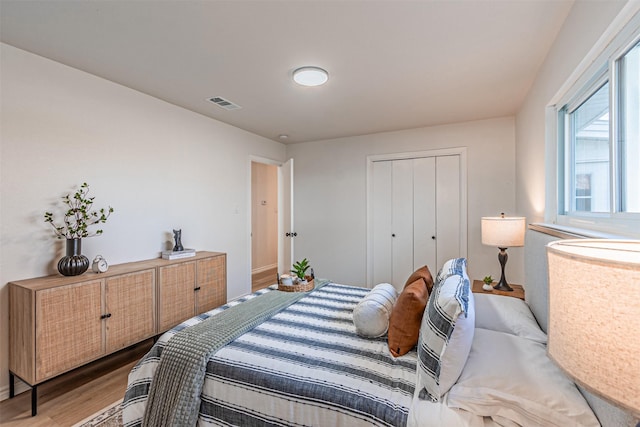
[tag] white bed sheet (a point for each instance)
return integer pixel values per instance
(424, 413)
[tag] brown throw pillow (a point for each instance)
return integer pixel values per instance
(425, 274)
(404, 323)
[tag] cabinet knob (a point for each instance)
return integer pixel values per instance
(105, 316)
(393, 235)
(433, 237)
(197, 289)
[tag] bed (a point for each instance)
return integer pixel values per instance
(308, 363)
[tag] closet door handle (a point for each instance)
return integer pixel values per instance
(433, 237)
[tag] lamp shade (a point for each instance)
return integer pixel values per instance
(594, 316)
(503, 232)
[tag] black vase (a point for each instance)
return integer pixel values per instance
(74, 263)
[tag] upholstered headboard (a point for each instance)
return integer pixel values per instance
(535, 272)
(537, 296)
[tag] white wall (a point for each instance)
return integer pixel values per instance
(158, 165)
(330, 194)
(585, 24)
(582, 28)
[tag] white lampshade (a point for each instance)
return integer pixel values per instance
(594, 316)
(503, 232)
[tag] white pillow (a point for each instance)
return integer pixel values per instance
(371, 314)
(446, 334)
(511, 377)
(507, 314)
(451, 267)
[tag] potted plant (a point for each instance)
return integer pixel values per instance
(487, 283)
(299, 269)
(78, 217)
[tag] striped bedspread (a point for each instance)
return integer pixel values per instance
(304, 366)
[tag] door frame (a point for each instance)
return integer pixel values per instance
(279, 164)
(455, 151)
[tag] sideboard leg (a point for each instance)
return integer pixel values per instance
(34, 400)
(12, 385)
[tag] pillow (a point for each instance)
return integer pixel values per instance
(510, 377)
(451, 267)
(445, 336)
(404, 324)
(371, 314)
(509, 315)
(421, 273)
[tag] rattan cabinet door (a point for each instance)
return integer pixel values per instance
(68, 327)
(211, 283)
(177, 294)
(130, 310)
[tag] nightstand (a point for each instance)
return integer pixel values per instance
(518, 291)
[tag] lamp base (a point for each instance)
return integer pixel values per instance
(502, 285)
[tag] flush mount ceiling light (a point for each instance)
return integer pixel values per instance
(310, 76)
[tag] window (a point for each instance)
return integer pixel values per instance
(583, 192)
(629, 128)
(588, 145)
(598, 131)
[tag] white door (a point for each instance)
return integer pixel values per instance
(381, 222)
(424, 213)
(401, 221)
(403, 218)
(415, 216)
(448, 214)
(285, 221)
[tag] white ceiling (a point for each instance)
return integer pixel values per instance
(392, 64)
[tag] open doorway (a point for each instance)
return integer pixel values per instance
(272, 231)
(264, 225)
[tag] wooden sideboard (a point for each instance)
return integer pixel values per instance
(59, 323)
(189, 288)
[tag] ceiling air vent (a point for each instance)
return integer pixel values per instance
(224, 103)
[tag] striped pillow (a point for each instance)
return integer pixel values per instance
(445, 335)
(451, 267)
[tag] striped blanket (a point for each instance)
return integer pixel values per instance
(303, 366)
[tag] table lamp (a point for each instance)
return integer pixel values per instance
(594, 316)
(503, 232)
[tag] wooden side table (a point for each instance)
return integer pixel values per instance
(518, 290)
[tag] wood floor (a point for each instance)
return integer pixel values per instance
(263, 279)
(74, 396)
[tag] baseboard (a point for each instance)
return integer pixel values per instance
(265, 268)
(21, 387)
